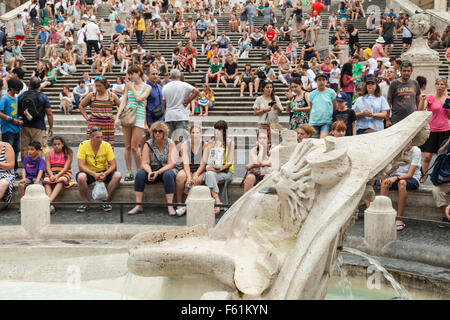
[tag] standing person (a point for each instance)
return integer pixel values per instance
(439, 124)
(377, 49)
(371, 108)
(96, 162)
(403, 95)
(33, 128)
(139, 28)
(10, 124)
(154, 99)
(344, 114)
(19, 30)
(177, 95)
(41, 40)
(92, 37)
(251, 14)
(268, 106)
(101, 104)
(134, 97)
(299, 106)
(346, 81)
(387, 31)
(322, 101)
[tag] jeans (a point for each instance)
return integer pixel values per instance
(40, 51)
(258, 43)
(167, 178)
(77, 99)
(92, 44)
(139, 34)
(14, 140)
(350, 99)
(67, 69)
(212, 178)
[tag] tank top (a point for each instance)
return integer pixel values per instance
(195, 159)
(132, 103)
(102, 108)
(155, 154)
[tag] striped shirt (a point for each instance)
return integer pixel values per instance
(132, 103)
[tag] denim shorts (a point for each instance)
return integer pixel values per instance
(321, 128)
(250, 21)
(411, 184)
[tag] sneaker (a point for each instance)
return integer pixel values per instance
(106, 207)
(83, 208)
(181, 211)
(172, 212)
(135, 211)
(129, 177)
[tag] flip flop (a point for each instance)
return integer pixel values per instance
(401, 226)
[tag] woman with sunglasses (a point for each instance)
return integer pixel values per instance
(101, 104)
(158, 164)
(134, 96)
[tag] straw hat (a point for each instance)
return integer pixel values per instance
(380, 40)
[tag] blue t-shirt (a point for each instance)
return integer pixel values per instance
(373, 104)
(202, 25)
(8, 106)
(32, 167)
(321, 107)
(119, 28)
(43, 36)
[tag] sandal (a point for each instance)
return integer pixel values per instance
(129, 177)
(52, 210)
(401, 226)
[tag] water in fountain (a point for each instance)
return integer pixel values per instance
(399, 289)
(344, 283)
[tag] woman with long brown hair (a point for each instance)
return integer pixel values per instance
(101, 104)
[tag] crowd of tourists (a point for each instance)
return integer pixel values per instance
(326, 95)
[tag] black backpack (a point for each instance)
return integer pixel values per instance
(33, 12)
(31, 106)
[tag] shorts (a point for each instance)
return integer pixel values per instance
(407, 40)
(178, 130)
(435, 141)
(148, 16)
(327, 3)
(411, 184)
(31, 181)
(28, 134)
(20, 38)
(91, 179)
(250, 21)
(212, 77)
(321, 128)
(140, 123)
(309, 55)
(388, 40)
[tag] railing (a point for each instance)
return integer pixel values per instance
(122, 204)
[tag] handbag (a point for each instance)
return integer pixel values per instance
(128, 117)
(156, 113)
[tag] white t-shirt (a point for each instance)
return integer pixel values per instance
(416, 160)
(268, 117)
(311, 78)
(373, 66)
(80, 35)
(92, 31)
(332, 20)
(25, 16)
(334, 72)
(174, 94)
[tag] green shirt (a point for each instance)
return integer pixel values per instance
(214, 68)
(357, 70)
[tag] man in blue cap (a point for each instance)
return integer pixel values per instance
(322, 101)
(342, 113)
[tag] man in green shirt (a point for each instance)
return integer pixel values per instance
(214, 71)
(357, 69)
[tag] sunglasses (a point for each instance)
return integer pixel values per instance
(158, 131)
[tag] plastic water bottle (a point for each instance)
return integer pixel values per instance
(118, 128)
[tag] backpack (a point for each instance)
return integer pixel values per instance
(441, 168)
(33, 12)
(31, 106)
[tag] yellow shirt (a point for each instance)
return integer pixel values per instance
(367, 53)
(99, 162)
(141, 25)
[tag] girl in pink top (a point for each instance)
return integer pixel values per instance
(439, 125)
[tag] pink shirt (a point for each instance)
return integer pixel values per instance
(55, 37)
(439, 118)
(377, 51)
(348, 86)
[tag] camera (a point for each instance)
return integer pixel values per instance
(271, 103)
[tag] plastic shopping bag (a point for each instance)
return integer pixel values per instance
(99, 192)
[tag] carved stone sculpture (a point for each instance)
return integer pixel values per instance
(280, 240)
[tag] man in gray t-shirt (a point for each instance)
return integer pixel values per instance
(403, 95)
(177, 95)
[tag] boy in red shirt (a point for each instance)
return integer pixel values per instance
(317, 6)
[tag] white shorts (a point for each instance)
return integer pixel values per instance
(140, 123)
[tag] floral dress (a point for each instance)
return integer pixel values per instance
(299, 117)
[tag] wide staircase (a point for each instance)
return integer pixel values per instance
(238, 111)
